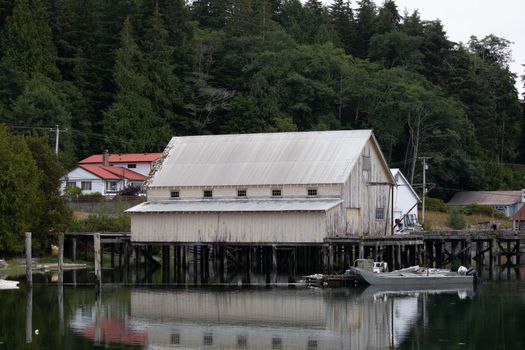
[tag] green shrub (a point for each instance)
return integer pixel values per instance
(487, 210)
(72, 191)
(456, 220)
(92, 197)
(435, 204)
(102, 223)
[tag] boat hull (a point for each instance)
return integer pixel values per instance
(410, 279)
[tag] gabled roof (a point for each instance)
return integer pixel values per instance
(224, 205)
(122, 158)
(112, 172)
(320, 157)
(401, 180)
(486, 198)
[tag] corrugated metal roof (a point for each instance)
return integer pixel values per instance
(261, 159)
(122, 158)
(237, 205)
(486, 198)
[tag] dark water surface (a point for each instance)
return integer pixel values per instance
(259, 317)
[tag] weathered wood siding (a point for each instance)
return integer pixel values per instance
(365, 191)
(238, 227)
(289, 191)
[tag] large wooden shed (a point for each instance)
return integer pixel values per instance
(278, 188)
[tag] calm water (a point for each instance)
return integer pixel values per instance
(259, 317)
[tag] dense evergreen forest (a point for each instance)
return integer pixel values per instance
(127, 75)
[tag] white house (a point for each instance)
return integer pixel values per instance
(109, 174)
(138, 162)
(104, 179)
(405, 200)
(263, 188)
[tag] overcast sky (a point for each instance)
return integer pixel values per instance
(463, 18)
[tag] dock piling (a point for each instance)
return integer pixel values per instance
(29, 260)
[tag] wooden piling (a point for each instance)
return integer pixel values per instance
(98, 257)
(274, 257)
(61, 258)
(29, 312)
(73, 249)
(29, 260)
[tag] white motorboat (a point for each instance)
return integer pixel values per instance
(6, 284)
(415, 276)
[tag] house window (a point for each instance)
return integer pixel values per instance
(86, 186)
(380, 213)
(175, 194)
(207, 193)
(71, 184)
(276, 192)
(277, 343)
(241, 193)
(367, 166)
(132, 166)
(500, 208)
(111, 185)
(312, 192)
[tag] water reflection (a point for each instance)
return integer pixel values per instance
(279, 318)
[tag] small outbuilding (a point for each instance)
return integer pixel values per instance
(507, 202)
(406, 200)
(296, 187)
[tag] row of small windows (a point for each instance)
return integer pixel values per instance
(276, 192)
(242, 341)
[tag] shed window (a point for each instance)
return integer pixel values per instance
(312, 192)
(241, 193)
(277, 343)
(208, 339)
(367, 166)
(132, 166)
(380, 213)
(242, 342)
(175, 194)
(207, 193)
(86, 186)
(71, 184)
(276, 192)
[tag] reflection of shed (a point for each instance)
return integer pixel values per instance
(267, 188)
(278, 319)
(507, 202)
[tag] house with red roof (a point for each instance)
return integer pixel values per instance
(109, 174)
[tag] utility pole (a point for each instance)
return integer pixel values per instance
(57, 131)
(425, 168)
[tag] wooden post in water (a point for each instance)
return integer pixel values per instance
(29, 260)
(29, 314)
(61, 258)
(98, 257)
(73, 249)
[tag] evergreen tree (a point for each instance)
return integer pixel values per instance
(388, 18)
(343, 22)
(365, 19)
(164, 89)
(20, 197)
(26, 41)
(55, 215)
(131, 123)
